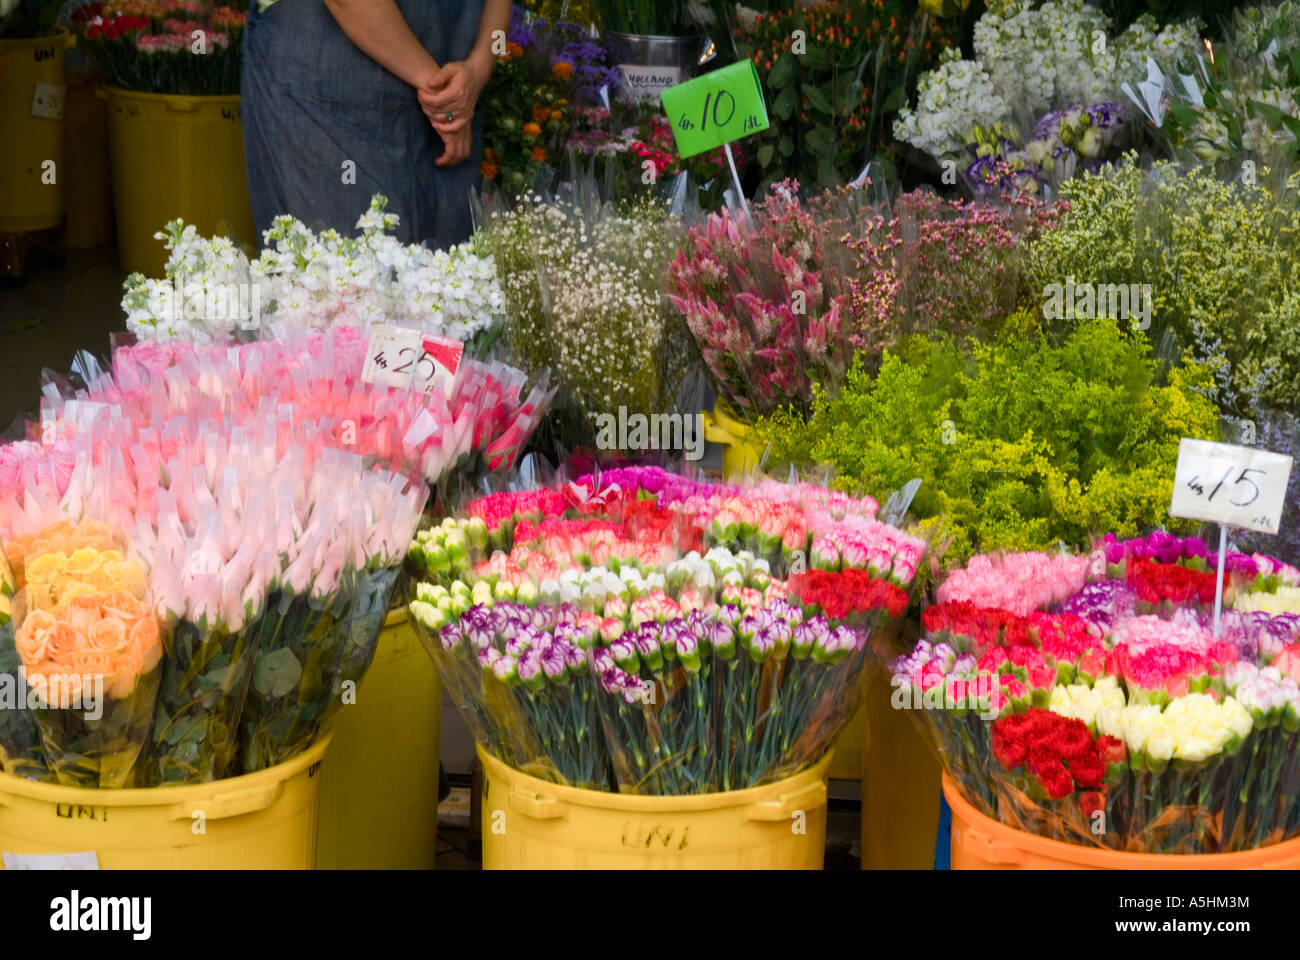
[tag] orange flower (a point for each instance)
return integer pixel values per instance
(514, 50)
(33, 636)
(540, 114)
(489, 170)
(532, 130)
(64, 640)
(563, 69)
(539, 154)
(109, 635)
(557, 115)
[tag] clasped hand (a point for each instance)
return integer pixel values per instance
(448, 99)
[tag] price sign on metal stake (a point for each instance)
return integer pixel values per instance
(1230, 485)
(716, 108)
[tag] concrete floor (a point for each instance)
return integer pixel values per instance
(55, 312)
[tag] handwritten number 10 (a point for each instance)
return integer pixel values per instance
(717, 121)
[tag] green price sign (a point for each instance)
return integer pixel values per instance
(716, 108)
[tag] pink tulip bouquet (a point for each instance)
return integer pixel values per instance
(272, 541)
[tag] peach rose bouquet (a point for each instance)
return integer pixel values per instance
(90, 651)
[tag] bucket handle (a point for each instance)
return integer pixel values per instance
(532, 804)
(787, 804)
(234, 803)
(986, 848)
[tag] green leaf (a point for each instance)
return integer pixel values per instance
(820, 142)
(784, 105)
(785, 145)
(783, 71)
(818, 100)
(1185, 115)
(815, 57)
(765, 154)
(276, 673)
(827, 174)
(896, 99)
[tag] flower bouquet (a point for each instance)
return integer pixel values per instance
(21, 752)
(319, 632)
(90, 650)
(213, 293)
(547, 71)
(1105, 713)
(1233, 101)
(766, 298)
(1040, 101)
(584, 298)
(630, 631)
(188, 47)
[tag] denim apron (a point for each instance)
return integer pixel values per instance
(313, 101)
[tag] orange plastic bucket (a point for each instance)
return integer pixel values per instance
(980, 843)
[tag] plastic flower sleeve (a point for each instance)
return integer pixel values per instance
(656, 694)
(21, 752)
(90, 649)
(323, 624)
(209, 656)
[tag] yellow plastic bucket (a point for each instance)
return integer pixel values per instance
(849, 746)
(175, 156)
(379, 794)
(88, 189)
(261, 821)
(740, 454)
(529, 824)
(900, 787)
(32, 93)
(981, 843)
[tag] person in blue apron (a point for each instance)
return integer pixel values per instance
(343, 99)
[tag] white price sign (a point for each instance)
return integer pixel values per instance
(1235, 486)
(391, 355)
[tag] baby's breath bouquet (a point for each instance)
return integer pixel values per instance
(583, 287)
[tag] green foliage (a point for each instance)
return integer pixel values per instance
(1020, 444)
(833, 76)
(1218, 256)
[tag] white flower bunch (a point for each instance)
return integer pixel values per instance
(304, 279)
(1031, 59)
(328, 278)
(952, 99)
(207, 294)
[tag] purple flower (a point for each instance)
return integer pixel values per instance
(1106, 116)
(451, 636)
